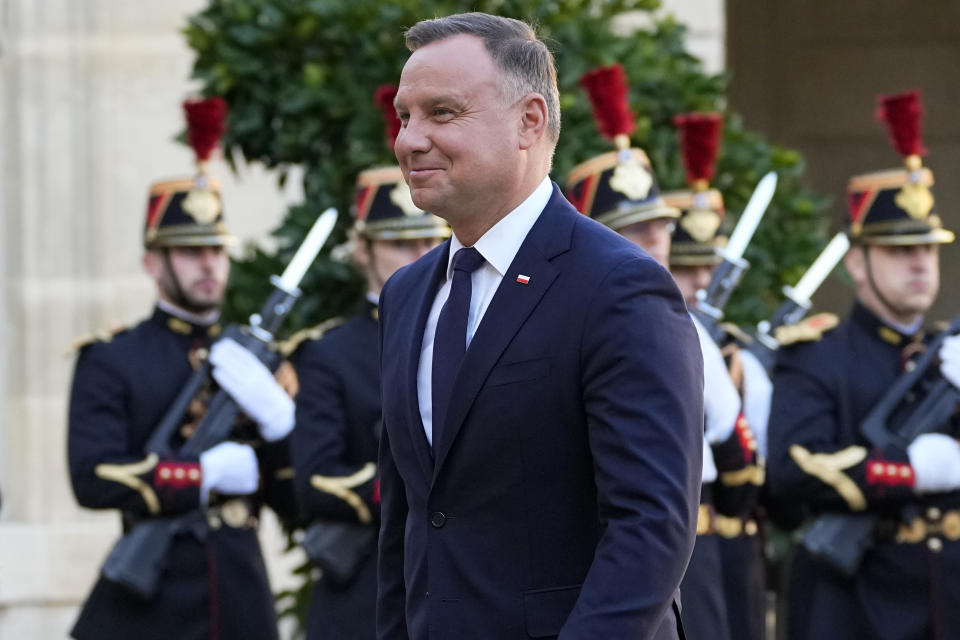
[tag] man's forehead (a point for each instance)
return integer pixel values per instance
(457, 62)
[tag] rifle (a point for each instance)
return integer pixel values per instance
(137, 560)
(797, 302)
(920, 401)
(726, 277)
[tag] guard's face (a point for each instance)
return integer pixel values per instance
(907, 277)
(691, 279)
(379, 259)
(653, 236)
(459, 141)
(200, 271)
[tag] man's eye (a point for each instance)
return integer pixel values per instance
(441, 112)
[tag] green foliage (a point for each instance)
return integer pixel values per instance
(299, 76)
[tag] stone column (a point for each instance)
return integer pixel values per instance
(705, 21)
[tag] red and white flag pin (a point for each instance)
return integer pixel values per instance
(522, 279)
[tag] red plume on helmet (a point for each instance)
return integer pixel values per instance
(383, 98)
(902, 113)
(607, 88)
(699, 141)
(206, 122)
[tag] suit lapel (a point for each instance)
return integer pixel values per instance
(511, 305)
(420, 310)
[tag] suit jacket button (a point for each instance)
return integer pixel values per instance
(437, 519)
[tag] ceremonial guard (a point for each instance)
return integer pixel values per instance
(338, 413)
(212, 581)
(738, 473)
(896, 581)
(619, 189)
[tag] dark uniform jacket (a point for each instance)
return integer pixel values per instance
(215, 589)
(713, 592)
(737, 494)
(334, 451)
(906, 587)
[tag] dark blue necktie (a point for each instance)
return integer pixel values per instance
(450, 340)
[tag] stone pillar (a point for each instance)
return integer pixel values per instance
(706, 28)
(90, 97)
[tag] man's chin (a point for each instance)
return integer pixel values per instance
(201, 306)
(919, 304)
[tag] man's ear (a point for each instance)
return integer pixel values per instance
(855, 263)
(533, 119)
(153, 264)
(361, 251)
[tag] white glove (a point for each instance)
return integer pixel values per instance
(757, 390)
(229, 467)
(250, 383)
(709, 472)
(935, 458)
(721, 402)
(950, 357)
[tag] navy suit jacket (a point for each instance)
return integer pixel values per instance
(562, 496)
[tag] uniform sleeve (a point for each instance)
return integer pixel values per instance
(809, 461)
(642, 377)
(741, 466)
(106, 469)
(277, 476)
(328, 484)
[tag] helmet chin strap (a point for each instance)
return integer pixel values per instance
(374, 269)
(894, 310)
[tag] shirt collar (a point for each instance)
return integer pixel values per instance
(500, 244)
(206, 320)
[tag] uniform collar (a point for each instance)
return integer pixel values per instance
(896, 336)
(371, 306)
(186, 324)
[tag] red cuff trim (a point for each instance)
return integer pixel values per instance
(889, 474)
(376, 491)
(748, 443)
(177, 475)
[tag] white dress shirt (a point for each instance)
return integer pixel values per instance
(721, 402)
(498, 246)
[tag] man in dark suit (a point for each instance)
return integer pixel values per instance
(541, 380)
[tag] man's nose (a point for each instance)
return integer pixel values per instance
(703, 278)
(209, 257)
(413, 137)
(920, 259)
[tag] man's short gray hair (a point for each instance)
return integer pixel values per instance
(525, 62)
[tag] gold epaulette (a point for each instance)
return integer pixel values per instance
(291, 344)
(100, 336)
(939, 326)
(736, 333)
(808, 330)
